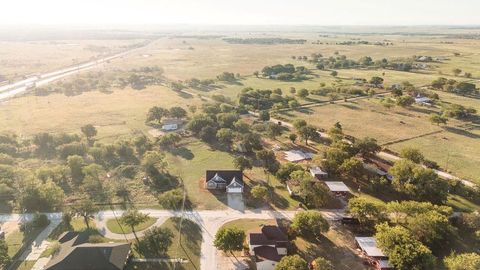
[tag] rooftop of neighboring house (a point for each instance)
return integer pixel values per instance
(76, 254)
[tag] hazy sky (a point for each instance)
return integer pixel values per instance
(311, 12)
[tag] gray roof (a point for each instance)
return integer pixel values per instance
(86, 256)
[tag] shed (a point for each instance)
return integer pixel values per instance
(337, 187)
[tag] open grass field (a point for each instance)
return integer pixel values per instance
(19, 59)
(367, 118)
(117, 227)
(185, 58)
(457, 151)
(119, 113)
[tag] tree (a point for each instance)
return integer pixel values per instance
(309, 224)
(334, 158)
(155, 242)
(334, 73)
(418, 182)
(274, 130)
(405, 101)
(299, 123)
(269, 160)
(86, 209)
(225, 136)
(456, 71)
(293, 262)
(412, 154)
(264, 115)
(367, 212)
(438, 119)
(177, 112)
(286, 169)
(302, 93)
(465, 261)
(242, 163)
(403, 251)
(322, 264)
(259, 192)
(366, 146)
(352, 168)
(169, 141)
(4, 258)
(376, 81)
(431, 228)
(89, 131)
(76, 164)
(133, 218)
(293, 104)
(156, 114)
(171, 199)
(308, 133)
(229, 239)
(256, 73)
(292, 137)
(153, 162)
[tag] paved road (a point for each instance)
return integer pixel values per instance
(16, 88)
(209, 221)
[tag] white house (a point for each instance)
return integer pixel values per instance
(229, 180)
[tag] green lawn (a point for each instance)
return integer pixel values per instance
(116, 227)
(248, 224)
(190, 161)
(17, 239)
(185, 245)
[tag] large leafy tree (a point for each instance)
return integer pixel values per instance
(133, 218)
(310, 224)
(465, 261)
(418, 182)
(322, 264)
(367, 212)
(367, 146)
(89, 131)
(242, 163)
(86, 209)
(412, 154)
(402, 249)
(229, 239)
(293, 262)
(155, 242)
(269, 160)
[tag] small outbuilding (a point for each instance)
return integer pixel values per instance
(318, 173)
(338, 188)
(297, 155)
(372, 253)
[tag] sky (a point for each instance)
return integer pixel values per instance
(241, 12)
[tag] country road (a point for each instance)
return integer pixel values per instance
(20, 87)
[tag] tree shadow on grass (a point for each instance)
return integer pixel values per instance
(462, 132)
(183, 152)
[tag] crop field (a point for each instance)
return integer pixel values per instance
(19, 59)
(119, 113)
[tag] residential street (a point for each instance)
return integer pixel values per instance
(209, 221)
